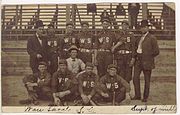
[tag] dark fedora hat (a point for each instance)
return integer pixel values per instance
(39, 23)
(144, 23)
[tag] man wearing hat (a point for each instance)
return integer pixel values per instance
(112, 87)
(64, 84)
(53, 48)
(74, 64)
(124, 49)
(86, 41)
(36, 47)
(68, 40)
(146, 50)
(38, 85)
(104, 42)
(87, 81)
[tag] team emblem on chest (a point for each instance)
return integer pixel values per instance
(104, 39)
(88, 83)
(63, 80)
(128, 39)
(110, 85)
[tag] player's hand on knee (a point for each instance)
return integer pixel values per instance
(106, 95)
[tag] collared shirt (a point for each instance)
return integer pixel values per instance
(40, 41)
(75, 65)
(139, 50)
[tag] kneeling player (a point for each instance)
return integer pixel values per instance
(112, 87)
(38, 85)
(64, 85)
(87, 82)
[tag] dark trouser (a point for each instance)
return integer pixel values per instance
(133, 20)
(40, 93)
(36, 92)
(53, 58)
(103, 60)
(85, 56)
(124, 70)
(119, 96)
(70, 97)
(136, 80)
(34, 62)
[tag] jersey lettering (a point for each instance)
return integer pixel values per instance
(107, 39)
(128, 39)
(108, 85)
(55, 43)
(82, 40)
(89, 40)
(92, 83)
(116, 86)
(84, 83)
(100, 39)
(66, 40)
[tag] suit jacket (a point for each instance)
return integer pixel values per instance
(34, 47)
(150, 49)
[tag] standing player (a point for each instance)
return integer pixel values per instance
(68, 40)
(64, 85)
(53, 44)
(104, 43)
(86, 40)
(124, 50)
(87, 81)
(113, 88)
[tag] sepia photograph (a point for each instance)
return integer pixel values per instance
(105, 57)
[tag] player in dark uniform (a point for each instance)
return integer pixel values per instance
(86, 40)
(53, 45)
(104, 42)
(64, 84)
(113, 88)
(69, 39)
(87, 81)
(38, 85)
(124, 50)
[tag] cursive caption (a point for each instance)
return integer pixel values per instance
(154, 109)
(61, 109)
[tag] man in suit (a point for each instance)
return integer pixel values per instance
(36, 46)
(146, 50)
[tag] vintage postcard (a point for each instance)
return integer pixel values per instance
(105, 57)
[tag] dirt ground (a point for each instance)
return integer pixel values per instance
(161, 93)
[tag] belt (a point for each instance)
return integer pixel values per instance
(84, 50)
(124, 52)
(104, 50)
(65, 49)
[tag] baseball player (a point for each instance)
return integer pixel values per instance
(64, 84)
(38, 85)
(104, 42)
(124, 50)
(87, 81)
(53, 45)
(86, 41)
(69, 39)
(112, 87)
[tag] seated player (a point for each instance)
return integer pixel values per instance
(75, 65)
(38, 85)
(87, 81)
(112, 87)
(64, 85)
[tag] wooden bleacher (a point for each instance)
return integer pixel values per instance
(15, 60)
